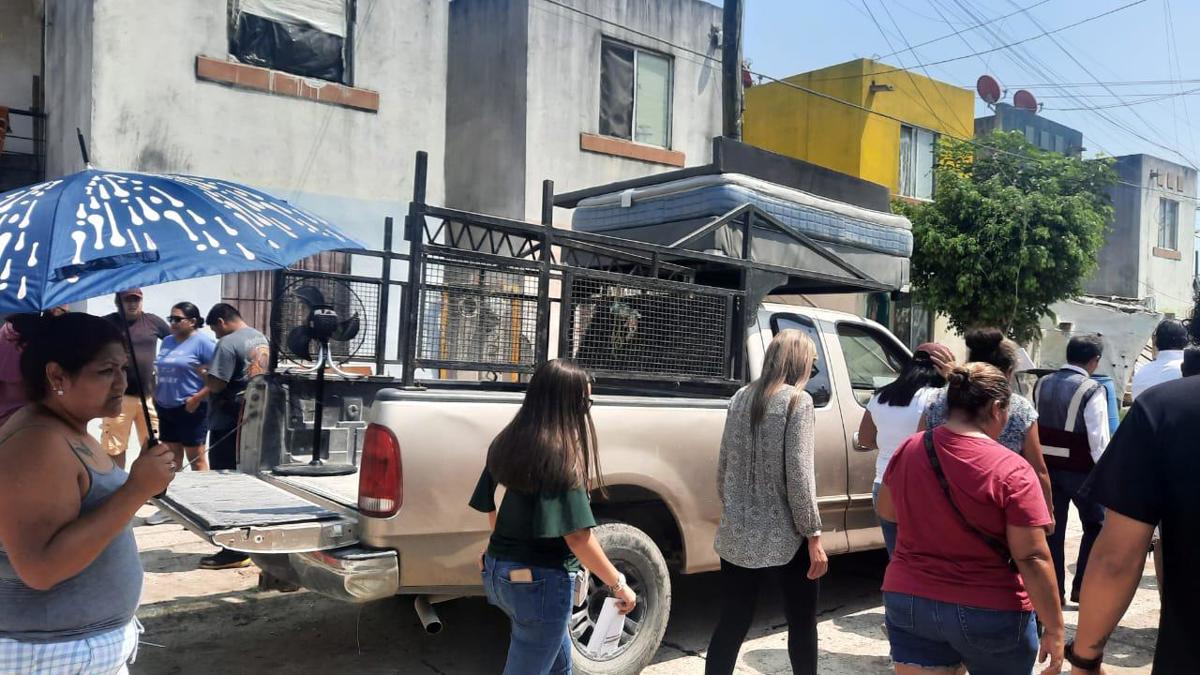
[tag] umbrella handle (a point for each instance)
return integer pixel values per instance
(151, 437)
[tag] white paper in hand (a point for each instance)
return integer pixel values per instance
(606, 636)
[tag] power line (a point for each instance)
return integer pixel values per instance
(821, 94)
(1127, 104)
(912, 48)
(1044, 33)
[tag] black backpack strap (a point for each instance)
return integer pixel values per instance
(993, 543)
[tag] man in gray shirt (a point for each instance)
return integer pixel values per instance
(242, 352)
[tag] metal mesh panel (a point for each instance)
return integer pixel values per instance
(649, 331)
(349, 298)
(477, 317)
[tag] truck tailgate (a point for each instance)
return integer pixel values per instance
(245, 513)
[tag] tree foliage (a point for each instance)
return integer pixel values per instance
(1011, 230)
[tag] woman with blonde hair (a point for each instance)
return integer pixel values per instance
(770, 525)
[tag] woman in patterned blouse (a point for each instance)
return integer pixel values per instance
(770, 526)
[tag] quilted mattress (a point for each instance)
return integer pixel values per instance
(702, 197)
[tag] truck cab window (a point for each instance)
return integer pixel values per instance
(818, 384)
(872, 361)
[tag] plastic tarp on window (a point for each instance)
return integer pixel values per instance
(616, 90)
(302, 37)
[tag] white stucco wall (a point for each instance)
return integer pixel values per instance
(148, 112)
(1168, 281)
(563, 81)
(20, 60)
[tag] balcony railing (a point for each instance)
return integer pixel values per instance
(23, 154)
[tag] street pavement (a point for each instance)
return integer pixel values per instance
(200, 621)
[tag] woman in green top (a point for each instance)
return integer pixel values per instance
(546, 458)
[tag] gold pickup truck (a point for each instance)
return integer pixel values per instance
(401, 525)
(670, 331)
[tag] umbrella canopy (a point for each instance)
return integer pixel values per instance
(97, 232)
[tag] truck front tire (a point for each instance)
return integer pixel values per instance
(635, 555)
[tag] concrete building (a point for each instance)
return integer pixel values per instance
(578, 94)
(1045, 134)
(157, 87)
(894, 148)
(1151, 249)
(896, 151)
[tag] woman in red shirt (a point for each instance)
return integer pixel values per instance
(971, 562)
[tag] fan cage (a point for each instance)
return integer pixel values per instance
(348, 297)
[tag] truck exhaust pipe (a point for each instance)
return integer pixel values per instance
(428, 615)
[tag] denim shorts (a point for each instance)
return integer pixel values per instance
(177, 425)
(539, 610)
(932, 634)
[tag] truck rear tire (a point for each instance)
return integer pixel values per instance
(637, 557)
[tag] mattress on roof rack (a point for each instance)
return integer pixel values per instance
(708, 196)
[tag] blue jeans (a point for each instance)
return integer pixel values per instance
(1064, 485)
(539, 611)
(888, 527)
(932, 634)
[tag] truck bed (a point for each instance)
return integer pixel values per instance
(340, 489)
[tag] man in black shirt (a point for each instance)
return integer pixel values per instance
(1147, 476)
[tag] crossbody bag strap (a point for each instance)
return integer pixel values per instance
(993, 543)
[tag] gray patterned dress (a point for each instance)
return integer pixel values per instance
(1021, 416)
(768, 488)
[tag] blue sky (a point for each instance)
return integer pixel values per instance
(1152, 40)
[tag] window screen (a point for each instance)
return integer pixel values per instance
(1168, 224)
(818, 383)
(635, 94)
(616, 90)
(916, 161)
(872, 361)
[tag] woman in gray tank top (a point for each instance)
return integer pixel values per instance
(70, 576)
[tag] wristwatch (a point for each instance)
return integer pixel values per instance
(619, 586)
(1090, 665)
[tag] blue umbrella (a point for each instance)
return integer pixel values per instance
(96, 232)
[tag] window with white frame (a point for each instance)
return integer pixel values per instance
(917, 148)
(635, 94)
(1168, 224)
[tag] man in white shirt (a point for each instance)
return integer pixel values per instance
(1073, 427)
(1170, 338)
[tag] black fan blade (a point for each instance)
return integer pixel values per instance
(311, 295)
(347, 329)
(298, 341)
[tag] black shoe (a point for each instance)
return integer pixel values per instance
(224, 560)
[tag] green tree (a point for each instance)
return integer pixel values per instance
(1011, 230)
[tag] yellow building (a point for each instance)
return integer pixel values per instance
(898, 154)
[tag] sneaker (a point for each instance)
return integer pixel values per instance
(224, 560)
(159, 518)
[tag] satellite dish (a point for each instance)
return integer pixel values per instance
(988, 89)
(1024, 100)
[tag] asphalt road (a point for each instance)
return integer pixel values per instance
(217, 621)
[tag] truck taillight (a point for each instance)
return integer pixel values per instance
(380, 478)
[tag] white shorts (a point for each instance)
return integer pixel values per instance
(105, 654)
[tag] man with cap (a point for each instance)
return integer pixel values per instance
(146, 330)
(1170, 338)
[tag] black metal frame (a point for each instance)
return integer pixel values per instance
(438, 232)
(439, 235)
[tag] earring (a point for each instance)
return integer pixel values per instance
(58, 392)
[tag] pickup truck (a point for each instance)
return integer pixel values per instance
(401, 526)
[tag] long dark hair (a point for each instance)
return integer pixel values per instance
(550, 445)
(917, 374)
(72, 341)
